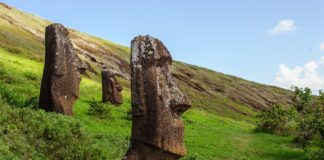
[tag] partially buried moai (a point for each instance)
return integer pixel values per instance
(111, 89)
(61, 75)
(157, 104)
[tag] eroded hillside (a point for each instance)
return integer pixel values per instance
(23, 34)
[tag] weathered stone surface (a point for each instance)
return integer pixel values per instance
(61, 77)
(111, 89)
(157, 104)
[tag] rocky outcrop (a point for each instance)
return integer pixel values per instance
(111, 89)
(61, 76)
(5, 5)
(157, 104)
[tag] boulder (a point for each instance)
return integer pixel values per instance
(157, 104)
(61, 75)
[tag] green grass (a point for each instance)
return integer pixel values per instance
(23, 34)
(29, 45)
(226, 95)
(214, 137)
(20, 78)
(219, 126)
(207, 136)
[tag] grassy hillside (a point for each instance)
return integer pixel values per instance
(219, 126)
(209, 90)
(207, 136)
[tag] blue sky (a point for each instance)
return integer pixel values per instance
(273, 42)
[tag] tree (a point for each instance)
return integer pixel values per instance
(310, 122)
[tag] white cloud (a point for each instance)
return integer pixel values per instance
(310, 75)
(322, 46)
(283, 26)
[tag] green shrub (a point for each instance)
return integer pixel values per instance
(275, 120)
(29, 134)
(100, 110)
(310, 122)
(314, 154)
(302, 99)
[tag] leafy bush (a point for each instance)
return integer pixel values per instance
(275, 120)
(308, 113)
(29, 134)
(302, 99)
(314, 154)
(310, 122)
(100, 110)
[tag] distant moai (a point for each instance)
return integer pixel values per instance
(61, 75)
(111, 89)
(157, 104)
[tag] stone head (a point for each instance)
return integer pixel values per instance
(157, 102)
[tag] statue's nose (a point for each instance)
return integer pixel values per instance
(179, 103)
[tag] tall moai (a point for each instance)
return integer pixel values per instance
(61, 76)
(111, 89)
(157, 104)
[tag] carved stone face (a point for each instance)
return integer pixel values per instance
(157, 102)
(111, 89)
(61, 77)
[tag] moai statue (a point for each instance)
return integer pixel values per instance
(111, 89)
(157, 104)
(61, 77)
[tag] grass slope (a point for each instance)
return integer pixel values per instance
(207, 136)
(23, 34)
(219, 126)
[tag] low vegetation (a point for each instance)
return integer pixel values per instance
(100, 110)
(221, 124)
(211, 91)
(29, 134)
(276, 120)
(207, 136)
(307, 117)
(310, 122)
